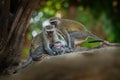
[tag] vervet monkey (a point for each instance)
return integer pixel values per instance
(78, 33)
(50, 41)
(54, 40)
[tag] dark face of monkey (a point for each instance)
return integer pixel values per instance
(54, 21)
(58, 47)
(50, 30)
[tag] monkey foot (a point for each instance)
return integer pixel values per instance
(68, 50)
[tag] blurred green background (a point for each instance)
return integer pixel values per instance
(101, 17)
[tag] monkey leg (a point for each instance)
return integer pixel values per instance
(37, 54)
(84, 35)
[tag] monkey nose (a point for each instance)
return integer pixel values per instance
(57, 42)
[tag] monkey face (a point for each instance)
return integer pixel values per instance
(59, 48)
(54, 21)
(58, 45)
(49, 30)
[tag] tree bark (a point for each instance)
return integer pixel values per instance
(12, 36)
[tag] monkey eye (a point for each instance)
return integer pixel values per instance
(49, 27)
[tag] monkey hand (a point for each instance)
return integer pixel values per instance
(68, 49)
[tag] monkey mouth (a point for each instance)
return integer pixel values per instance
(50, 33)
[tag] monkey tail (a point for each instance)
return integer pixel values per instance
(29, 60)
(23, 65)
(95, 41)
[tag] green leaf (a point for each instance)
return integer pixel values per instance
(90, 45)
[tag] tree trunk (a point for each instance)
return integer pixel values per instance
(14, 21)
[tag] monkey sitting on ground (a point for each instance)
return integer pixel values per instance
(78, 33)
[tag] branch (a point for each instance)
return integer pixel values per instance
(88, 64)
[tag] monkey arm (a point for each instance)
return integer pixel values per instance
(68, 39)
(46, 45)
(55, 37)
(61, 42)
(65, 39)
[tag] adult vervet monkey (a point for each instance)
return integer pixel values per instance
(77, 31)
